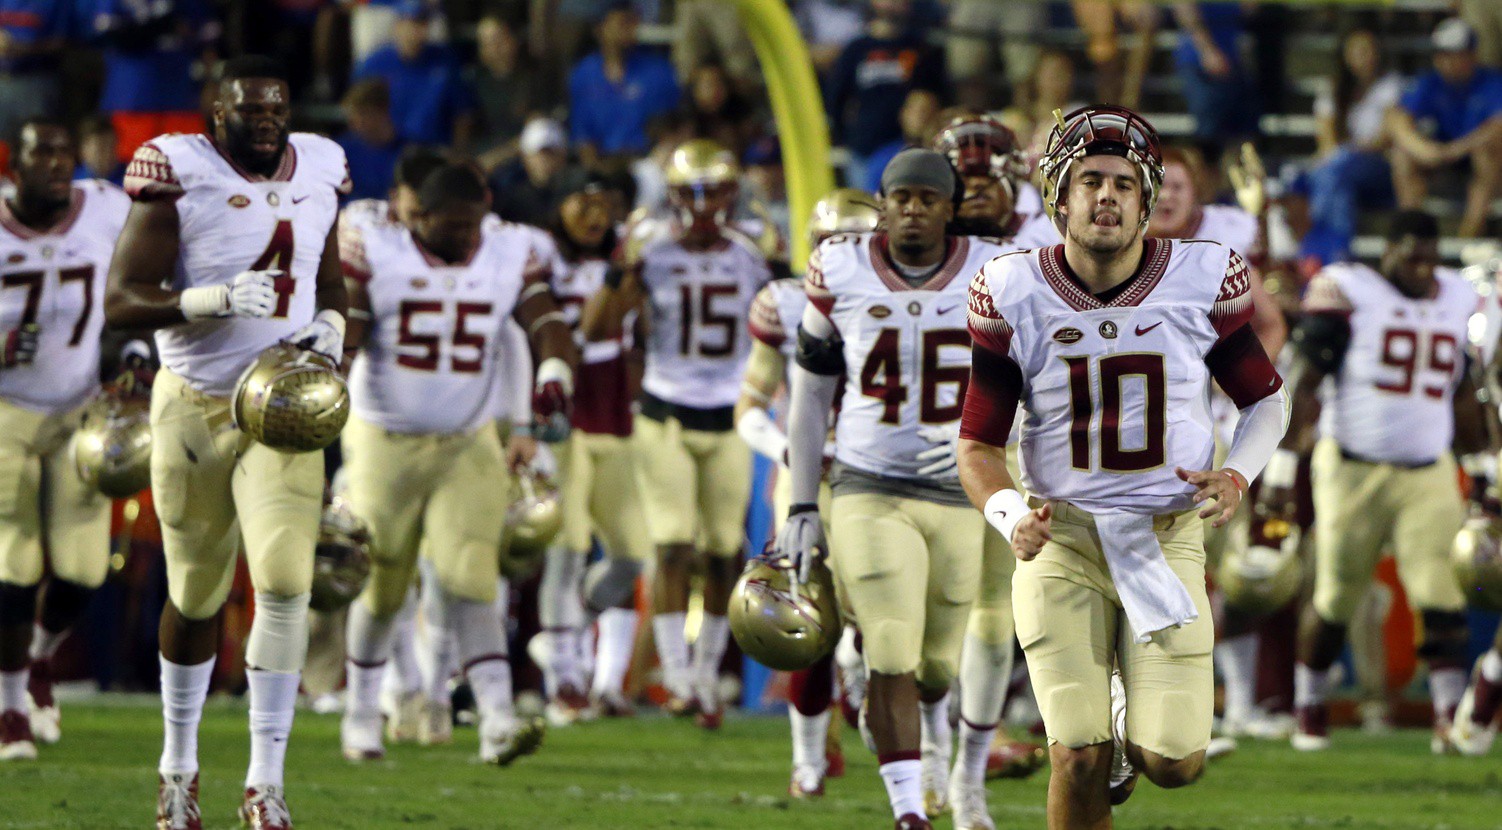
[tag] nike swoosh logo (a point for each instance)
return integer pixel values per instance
(1141, 331)
(947, 310)
(297, 200)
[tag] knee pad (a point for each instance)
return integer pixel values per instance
(1445, 637)
(18, 604)
(64, 604)
(609, 582)
(279, 633)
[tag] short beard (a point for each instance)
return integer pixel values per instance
(1097, 247)
(238, 142)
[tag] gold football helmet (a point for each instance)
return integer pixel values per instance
(843, 210)
(1477, 557)
(779, 622)
(112, 447)
(291, 400)
(341, 562)
(1265, 574)
(533, 520)
(703, 182)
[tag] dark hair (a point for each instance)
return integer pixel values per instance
(1348, 86)
(252, 66)
(451, 184)
(1419, 224)
(39, 121)
(415, 163)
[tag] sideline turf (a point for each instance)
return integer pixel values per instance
(655, 773)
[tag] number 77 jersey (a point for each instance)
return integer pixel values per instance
(906, 350)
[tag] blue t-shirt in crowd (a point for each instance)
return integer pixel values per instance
(868, 83)
(1453, 110)
(427, 94)
(1223, 21)
(371, 166)
(155, 76)
(29, 21)
(613, 117)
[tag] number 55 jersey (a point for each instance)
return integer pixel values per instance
(1116, 389)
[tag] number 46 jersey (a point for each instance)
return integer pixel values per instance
(1116, 394)
(231, 221)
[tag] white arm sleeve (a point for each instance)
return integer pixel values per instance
(808, 417)
(761, 434)
(1258, 433)
(515, 355)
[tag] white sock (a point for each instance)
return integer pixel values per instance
(985, 676)
(1445, 688)
(559, 601)
(617, 636)
(273, 699)
(1491, 666)
(904, 787)
(363, 687)
(405, 676)
(563, 665)
(1309, 686)
(368, 646)
(1237, 659)
(184, 689)
(13, 689)
(672, 650)
(435, 643)
(975, 751)
(491, 682)
(44, 643)
(709, 648)
(936, 729)
(809, 733)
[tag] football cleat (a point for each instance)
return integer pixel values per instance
(1219, 747)
(437, 723)
(913, 821)
(681, 706)
(1468, 736)
(567, 707)
(1123, 774)
(177, 802)
(710, 714)
(265, 808)
(935, 777)
(807, 782)
(501, 746)
(404, 719)
(1261, 726)
(46, 719)
(969, 806)
(1439, 738)
(611, 704)
(1011, 758)
(360, 736)
(16, 740)
(1313, 731)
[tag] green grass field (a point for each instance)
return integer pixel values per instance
(655, 773)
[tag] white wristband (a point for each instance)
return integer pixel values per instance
(1004, 509)
(334, 319)
(555, 369)
(204, 301)
(1281, 469)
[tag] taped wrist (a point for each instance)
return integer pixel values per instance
(821, 356)
(204, 301)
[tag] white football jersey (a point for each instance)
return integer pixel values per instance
(906, 349)
(233, 221)
(1230, 226)
(1392, 399)
(1037, 231)
(775, 315)
(1116, 395)
(55, 279)
(699, 301)
(429, 364)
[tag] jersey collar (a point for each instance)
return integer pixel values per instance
(957, 251)
(1059, 276)
(284, 170)
(9, 222)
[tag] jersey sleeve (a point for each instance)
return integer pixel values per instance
(815, 284)
(1233, 303)
(150, 177)
(1325, 296)
(353, 259)
(540, 260)
(987, 327)
(765, 321)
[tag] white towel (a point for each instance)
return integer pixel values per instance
(1151, 593)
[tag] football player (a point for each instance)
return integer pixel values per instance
(883, 321)
(1475, 727)
(1391, 341)
(597, 466)
(1108, 343)
(437, 296)
(228, 249)
(56, 239)
(774, 332)
(693, 276)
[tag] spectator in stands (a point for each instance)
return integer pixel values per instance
(370, 144)
(767, 184)
(718, 111)
(373, 23)
(525, 187)
(1217, 87)
(1451, 116)
(919, 119)
(707, 31)
(871, 79)
(1485, 16)
(430, 103)
(1118, 80)
(828, 26)
(1352, 169)
(615, 92)
(1050, 87)
(31, 37)
(507, 90)
(152, 70)
(649, 171)
(96, 151)
(985, 33)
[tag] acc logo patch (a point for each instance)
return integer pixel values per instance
(419, 282)
(1108, 330)
(1068, 335)
(239, 201)
(15, 257)
(880, 312)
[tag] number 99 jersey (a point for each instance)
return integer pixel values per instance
(231, 221)
(699, 304)
(906, 350)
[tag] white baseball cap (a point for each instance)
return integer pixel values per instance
(1453, 35)
(543, 134)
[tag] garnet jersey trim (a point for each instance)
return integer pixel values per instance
(1057, 274)
(957, 250)
(11, 224)
(150, 176)
(765, 322)
(284, 169)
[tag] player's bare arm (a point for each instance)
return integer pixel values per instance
(144, 261)
(765, 370)
(983, 472)
(605, 313)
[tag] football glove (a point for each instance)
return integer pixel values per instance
(324, 335)
(1249, 179)
(801, 540)
(20, 346)
(942, 459)
(551, 398)
(250, 294)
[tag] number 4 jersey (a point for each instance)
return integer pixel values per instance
(54, 279)
(1391, 400)
(1116, 393)
(230, 221)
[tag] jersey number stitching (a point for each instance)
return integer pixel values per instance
(32, 282)
(881, 375)
(431, 344)
(697, 317)
(1111, 371)
(1442, 352)
(278, 257)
